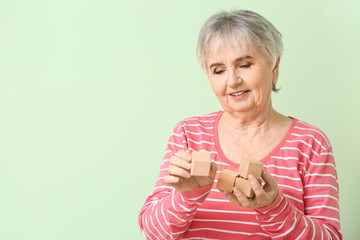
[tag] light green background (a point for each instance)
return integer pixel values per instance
(90, 91)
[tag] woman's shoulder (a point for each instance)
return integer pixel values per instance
(198, 123)
(204, 119)
(310, 134)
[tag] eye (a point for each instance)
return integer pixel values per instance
(219, 71)
(245, 65)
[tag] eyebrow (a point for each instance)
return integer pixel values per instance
(238, 59)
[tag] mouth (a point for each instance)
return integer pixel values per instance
(238, 93)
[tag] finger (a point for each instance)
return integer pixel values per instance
(255, 185)
(179, 162)
(213, 169)
(269, 180)
(178, 171)
(231, 198)
(184, 155)
(169, 179)
(241, 198)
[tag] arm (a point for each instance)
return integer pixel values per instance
(282, 220)
(169, 210)
(320, 219)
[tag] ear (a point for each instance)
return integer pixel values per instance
(276, 71)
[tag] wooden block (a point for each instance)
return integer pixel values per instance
(226, 180)
(200, 164)
(244, 185)
(249, 166)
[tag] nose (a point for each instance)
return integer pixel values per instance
(234, 79)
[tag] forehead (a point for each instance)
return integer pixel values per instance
(222, 51)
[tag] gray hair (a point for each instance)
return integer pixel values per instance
(229, 28)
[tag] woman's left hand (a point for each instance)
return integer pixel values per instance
(264, 196)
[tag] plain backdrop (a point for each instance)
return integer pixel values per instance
(90, 92)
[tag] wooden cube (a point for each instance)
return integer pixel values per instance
(200, 164)
(244, 185)
(226, 180)
(249, 166)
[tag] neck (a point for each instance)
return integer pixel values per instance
(249, 122)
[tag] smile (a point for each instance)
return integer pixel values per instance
(238, 93)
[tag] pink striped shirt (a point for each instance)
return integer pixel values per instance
(302, 164)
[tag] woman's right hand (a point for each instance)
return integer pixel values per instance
(179, 175)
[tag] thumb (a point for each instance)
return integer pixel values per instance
(213, 169)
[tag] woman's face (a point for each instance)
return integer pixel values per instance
(241, 80)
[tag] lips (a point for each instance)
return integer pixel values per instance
(238, 93)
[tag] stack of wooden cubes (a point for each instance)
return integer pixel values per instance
(228, 179)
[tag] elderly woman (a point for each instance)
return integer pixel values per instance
(240, 53)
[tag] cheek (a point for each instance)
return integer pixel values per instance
(218, 87)
(264, 88)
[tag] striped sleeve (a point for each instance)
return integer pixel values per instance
(320, 218)
(168, 213)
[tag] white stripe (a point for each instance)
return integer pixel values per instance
(321, 164)
(172, 199)
(321, 196)
(321, 175)
(199, 133)
(296, 189)
(279, 167)
(327, 153)
(293, 226)
(179, 225)
(283, 223)
(226, 221)
(196, 119)
(309, 135)
(150, 230)
(210, 143)
(145, 234)
(294, 148)
(320, 185)
(228, 231)
(271, 224)
(306, 227)
(285, 158)
(163, 214)
(193, 125)
(281, 199)
(185, 208)
(201, 238)
(322, 206)
(314, 228)
(197, 198)
(178, 145)
(294, 198)
(275, 215)
(311, 129)
(337, 237)
(152, 223)
(196, 150)
(281, 176)
(193, 133)
(175, 215)
(333, 219)
(217, 200)
(307, 144)
(224, 211)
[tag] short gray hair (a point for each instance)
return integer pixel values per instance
(242, 25)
